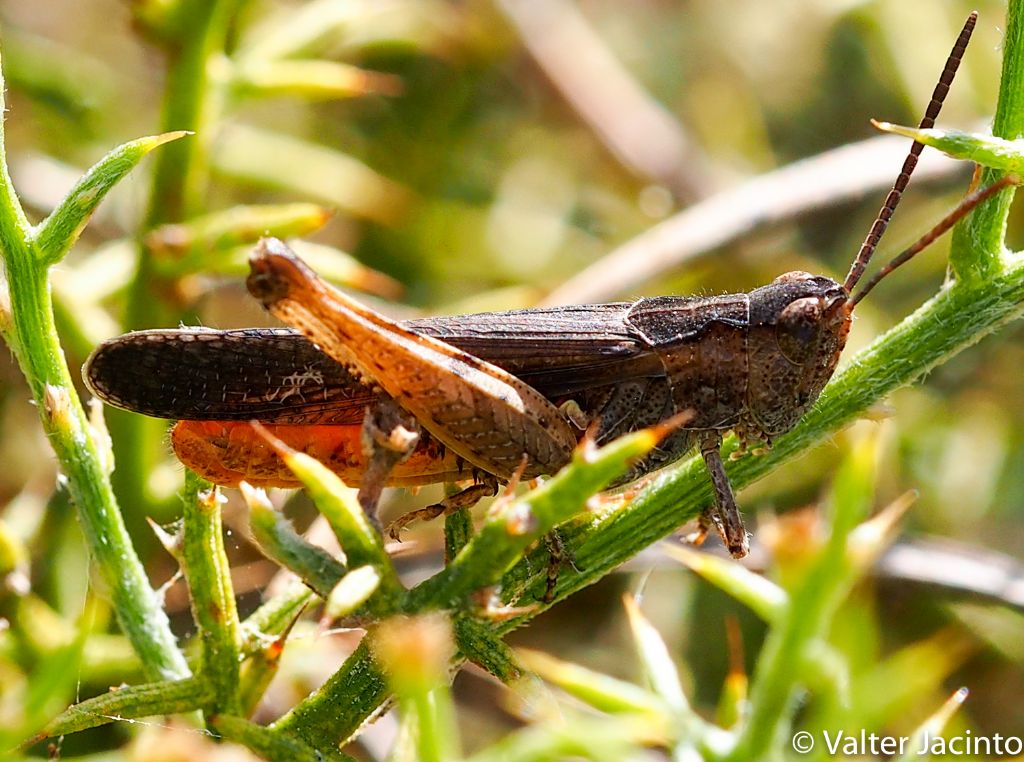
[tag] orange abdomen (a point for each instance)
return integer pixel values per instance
(228, 452)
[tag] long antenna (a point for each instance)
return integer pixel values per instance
(962, 210)
(893, 199)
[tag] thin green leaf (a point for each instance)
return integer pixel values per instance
(873, 537)
(323, 26)
(135, 701)
(658, 666)
(13, 553)
(998, 626)
(257, 673)
(299, 31)
(279, 541)
(600, 691)
(330, 263)
(352, 591)
(894, 687)
(761, 595)
(604, 739)
(274, 617)
(55, 235)
(989, 151)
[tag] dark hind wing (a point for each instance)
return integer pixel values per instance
(272, 375)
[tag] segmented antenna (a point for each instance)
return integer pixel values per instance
(893, 199)
(962, 210)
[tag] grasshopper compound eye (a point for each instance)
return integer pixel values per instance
(800, 319)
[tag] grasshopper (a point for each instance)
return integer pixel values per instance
(499, 395)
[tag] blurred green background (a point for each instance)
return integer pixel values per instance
(496, 161)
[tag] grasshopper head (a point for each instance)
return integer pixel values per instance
(798, 327)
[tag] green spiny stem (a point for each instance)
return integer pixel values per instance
(321, 720)
(978, 242)
(478, 642)
(211, 592)
(138, 608)
(277, 539)
(259, 671)
(507, 534)
(33, 336)
(280, 747)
